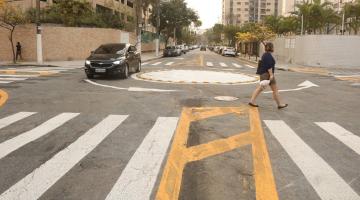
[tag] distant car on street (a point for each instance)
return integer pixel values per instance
(118, 59)
(171, 51)
(203, 48)
(229, 51)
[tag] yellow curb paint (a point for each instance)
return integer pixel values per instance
(3, 97)
(180, 155)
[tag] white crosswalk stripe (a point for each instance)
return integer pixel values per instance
(250, 66)
(237, 65)
(157, 63)
(137, 180)
(349, 139)
(323, 178)
(13, 144)
(145, 63)
(4, 122)
(210, 64)
(12, 79)
(42, 178)
(169, 63)
(223, 64)
(6, 82)
(18, 75)
(136, 184)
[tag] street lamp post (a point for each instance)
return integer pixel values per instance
(38, 34)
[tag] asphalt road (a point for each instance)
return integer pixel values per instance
(64, 137)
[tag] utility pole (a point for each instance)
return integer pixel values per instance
(157, 41)
(38, 34)
(139, 25)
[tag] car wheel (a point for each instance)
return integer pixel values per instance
(139, 67)
(90, 76)
(125, 74)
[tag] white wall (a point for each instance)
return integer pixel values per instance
(319, 50)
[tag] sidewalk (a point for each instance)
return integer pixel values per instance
(145, 57)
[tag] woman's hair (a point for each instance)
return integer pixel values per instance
(269, 47)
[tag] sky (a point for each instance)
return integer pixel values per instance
(208, 10)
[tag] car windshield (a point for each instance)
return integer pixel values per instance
(170, 47)
(111, 49)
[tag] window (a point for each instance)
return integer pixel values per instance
(130, 4)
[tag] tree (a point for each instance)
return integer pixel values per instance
(10, 18)
(174, 16)
(230, 34)
(282, 25)
(317, 16)
(254, 33)
(352, 14)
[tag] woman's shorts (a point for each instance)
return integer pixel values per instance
(266, 76)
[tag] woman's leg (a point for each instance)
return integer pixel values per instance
(255, 94)
(276, 96)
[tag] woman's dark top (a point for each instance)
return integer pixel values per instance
(267, 62)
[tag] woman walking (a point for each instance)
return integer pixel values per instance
(266, 71)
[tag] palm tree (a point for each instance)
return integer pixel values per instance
(317, 16)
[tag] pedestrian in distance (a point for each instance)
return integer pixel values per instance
(266, 71)
(18, 51)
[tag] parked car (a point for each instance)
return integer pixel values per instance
(171, 51)
(229, 51)
(203, 48)
(118, 59)
(182, 48)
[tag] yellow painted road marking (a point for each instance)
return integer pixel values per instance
(40, 73)
(3, 97)
(201, 62)
(180, 155)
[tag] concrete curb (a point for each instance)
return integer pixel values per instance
(140, 77)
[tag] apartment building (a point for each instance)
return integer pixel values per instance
(124, 8)
(237, 12)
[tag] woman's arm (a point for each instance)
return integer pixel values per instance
(271, 74)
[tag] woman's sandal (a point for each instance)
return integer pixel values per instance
(283, 106)
(253, 105)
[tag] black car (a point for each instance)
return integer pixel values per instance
(203, 48)
(113, 59)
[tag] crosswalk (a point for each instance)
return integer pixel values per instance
(12, 75)
(142, 170)
(322, 177)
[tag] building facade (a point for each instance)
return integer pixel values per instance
(124, 8)
(237, 12)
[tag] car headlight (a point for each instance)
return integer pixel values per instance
(118, 62)
(87, 62)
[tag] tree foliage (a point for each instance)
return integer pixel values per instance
(352, 15)
(174, 16)
(317, 16)
(10, 18)
(256, 33)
